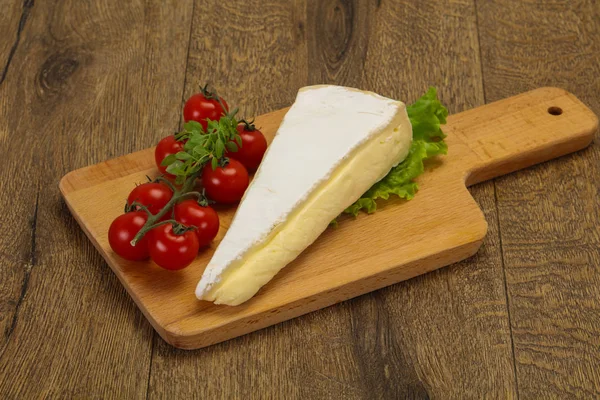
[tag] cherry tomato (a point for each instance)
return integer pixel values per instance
(170, 250)
(167, 146)
(152, 195)
(204, 218)
(253, 147)
(226, 184)
(122, 231)
(201, 107)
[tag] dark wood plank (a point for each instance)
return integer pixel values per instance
(549, 214)
(446, 334)
(255, 56)
(13, 21)
(442, 335)
(88, 81)
(15, 248)
(339, 35)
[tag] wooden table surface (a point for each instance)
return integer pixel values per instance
(82, 82)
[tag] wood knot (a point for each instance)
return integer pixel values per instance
(56, 71)
(301, 28)
(335, 29)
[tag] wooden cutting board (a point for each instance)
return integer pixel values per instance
(440, 226)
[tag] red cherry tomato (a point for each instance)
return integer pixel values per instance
(204, 218)
(167, 146)
(152, 195)
(170, 250)
(226, 184)
(253, 147)
(199, 108)
(122, 231)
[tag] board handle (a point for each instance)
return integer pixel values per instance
(521, 131)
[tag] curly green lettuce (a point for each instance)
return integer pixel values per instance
(426, 116)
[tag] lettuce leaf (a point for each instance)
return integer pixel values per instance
(426, 116)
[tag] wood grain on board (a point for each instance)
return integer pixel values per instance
(549, 215)
(81, 88)
(446, 224)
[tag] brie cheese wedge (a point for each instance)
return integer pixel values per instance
(332, 146)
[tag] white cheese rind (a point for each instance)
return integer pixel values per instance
(321, 135)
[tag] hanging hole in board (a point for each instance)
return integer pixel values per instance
(555, 111)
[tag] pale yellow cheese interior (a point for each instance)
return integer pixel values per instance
(354, 176)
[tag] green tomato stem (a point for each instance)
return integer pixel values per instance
(167, 182)
(198, 195)
(154, 219)
(139, 207)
